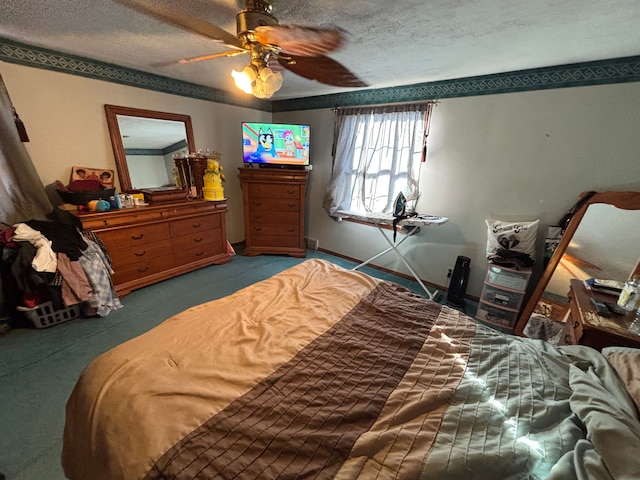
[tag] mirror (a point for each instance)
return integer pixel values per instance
(601, 241)
(144, 142)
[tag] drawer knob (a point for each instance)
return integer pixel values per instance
(143, 269)
(196, 225)
(137, 237)
(140, 254)
(198, 240)
(199, 254)
(291, 229)
(257, 216)
(257, 228)
(291, 192)
(291, 204)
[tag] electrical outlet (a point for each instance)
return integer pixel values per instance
(448, 279)
(312, 243)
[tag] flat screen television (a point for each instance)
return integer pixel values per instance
(275, 144)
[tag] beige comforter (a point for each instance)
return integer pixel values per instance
(320, 372)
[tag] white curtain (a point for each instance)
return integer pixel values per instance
(377, 154)
(22, 195)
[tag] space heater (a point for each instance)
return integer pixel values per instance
(459, 280)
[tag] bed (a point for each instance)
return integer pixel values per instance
(322, 372)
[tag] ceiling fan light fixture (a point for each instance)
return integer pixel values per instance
(259, 81)
(273, 80)
(246, 79)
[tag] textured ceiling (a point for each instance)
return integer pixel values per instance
(390, 43)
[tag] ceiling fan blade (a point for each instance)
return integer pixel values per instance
(186, 22)
(301, 41)
(228, 53)
(322, 69)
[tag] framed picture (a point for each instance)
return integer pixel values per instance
(104, 175)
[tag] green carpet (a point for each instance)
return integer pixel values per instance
(38, 368)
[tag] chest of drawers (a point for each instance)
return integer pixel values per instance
(153, 243)
(274, 204)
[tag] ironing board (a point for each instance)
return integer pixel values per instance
(413, 224)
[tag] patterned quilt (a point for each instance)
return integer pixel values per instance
(320, 372)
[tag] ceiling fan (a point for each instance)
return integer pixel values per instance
(270, 46)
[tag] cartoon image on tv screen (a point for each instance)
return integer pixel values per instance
(266, 148)
(275, 143)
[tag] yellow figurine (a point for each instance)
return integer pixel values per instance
(213, 178)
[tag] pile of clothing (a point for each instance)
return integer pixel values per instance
(52, 261)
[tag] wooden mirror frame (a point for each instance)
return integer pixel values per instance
(622, 200)
(112, 112)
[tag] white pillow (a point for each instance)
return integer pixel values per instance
(512, 236)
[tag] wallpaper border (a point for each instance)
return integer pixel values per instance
(617, 70)
(31, 56)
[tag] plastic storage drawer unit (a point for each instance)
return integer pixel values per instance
(497, 316)
(502, 297)
(505, 277)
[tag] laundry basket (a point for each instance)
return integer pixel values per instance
(44, 315)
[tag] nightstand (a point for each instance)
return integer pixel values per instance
(585, 327)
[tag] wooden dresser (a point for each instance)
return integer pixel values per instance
(274, 202)
(585, 327)
(152, 243)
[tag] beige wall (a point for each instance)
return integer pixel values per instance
(510, 156)
(66, 123)
(521, 156)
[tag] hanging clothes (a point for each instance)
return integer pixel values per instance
(98, 271)
(75, 284)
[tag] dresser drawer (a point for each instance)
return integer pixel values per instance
(265, 217)
(274, 229)
(127, 273)
(192, 240)
(274, 204)
(202, 208)
(275, 241)
(195, 224)
(138, 235)
(120, 218)
(273, 191)
(200, 252)
(137, 253)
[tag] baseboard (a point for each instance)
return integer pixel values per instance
(440, 288)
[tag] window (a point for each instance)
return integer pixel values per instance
(377, 154)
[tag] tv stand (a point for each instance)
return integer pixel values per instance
(274, 204)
